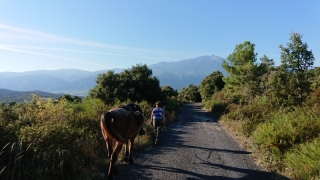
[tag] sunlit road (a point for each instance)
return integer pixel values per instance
(194, 147)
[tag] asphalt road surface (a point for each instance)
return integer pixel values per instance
(193, 147)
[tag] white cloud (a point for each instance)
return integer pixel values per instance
(50, 55)
(11, 33)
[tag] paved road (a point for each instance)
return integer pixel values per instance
(194, 147)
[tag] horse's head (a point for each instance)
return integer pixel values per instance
(136, 109)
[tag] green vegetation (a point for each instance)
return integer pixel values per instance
(43, 139)
(211, 84)
(274, 110)
(46, 139)
(135, 84)
(242, 84)
(8, 96)
(189, 94)
(291, 83)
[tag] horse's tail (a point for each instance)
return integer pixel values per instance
(106, 119)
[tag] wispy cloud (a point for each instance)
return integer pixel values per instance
(40, 36)
(17, 47)
(50, 55)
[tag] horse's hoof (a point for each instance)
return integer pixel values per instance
(125, 159)
(115, 170)
(131, 161)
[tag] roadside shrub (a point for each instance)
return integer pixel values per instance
(172, 104)
(304, 160)
(284, 131)
(314, 101)
(43, 139)
(61, 140)
(254, 114)
(218, 108)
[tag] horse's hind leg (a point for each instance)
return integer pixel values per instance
(130, 151)
(125, 158)
(109, 147)
(113, 159)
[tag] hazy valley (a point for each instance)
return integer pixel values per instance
(177, 74)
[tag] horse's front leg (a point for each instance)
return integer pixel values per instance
(113, 160)
(130, 151)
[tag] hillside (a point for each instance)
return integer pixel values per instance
(177, 74)
(7, 96)
(183, 73)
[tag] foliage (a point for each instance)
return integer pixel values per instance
(69, 98)
(169, 91)
(217, 104)
(291, 83)
(135, 84)
(266, 67)
(316, 80)
(303, 161)
(106, 87)
(286, 130)
(314, 101)
(189, 94)
(44, 139)
(274, 110)
(242, 84)
(251, 115)
(50, 140)
(211, 84)
(8, 96)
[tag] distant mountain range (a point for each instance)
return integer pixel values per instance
(177, 74)
(8, 96)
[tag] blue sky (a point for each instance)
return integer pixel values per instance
(103, 34)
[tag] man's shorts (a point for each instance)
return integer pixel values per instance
(157, 122)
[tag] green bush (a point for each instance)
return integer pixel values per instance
(284, 131)
(52, 140)
(304, 161)
(43, 139)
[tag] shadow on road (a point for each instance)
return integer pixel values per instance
(137, 171)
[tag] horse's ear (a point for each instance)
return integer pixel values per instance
(137, 113)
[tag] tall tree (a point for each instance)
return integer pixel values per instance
(291, 83)
(138, 84)
(211, 84)
(169, 91)
(242, 83)
(266, 67)
(134, 84)
(106, 87)
(190, 94)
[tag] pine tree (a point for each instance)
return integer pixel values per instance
(291, 83)
(242, 84)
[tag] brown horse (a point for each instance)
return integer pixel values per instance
(120, 125)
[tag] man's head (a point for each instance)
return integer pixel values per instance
(159, 104)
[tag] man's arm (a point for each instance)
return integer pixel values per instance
(151, 116)
(164, 116)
